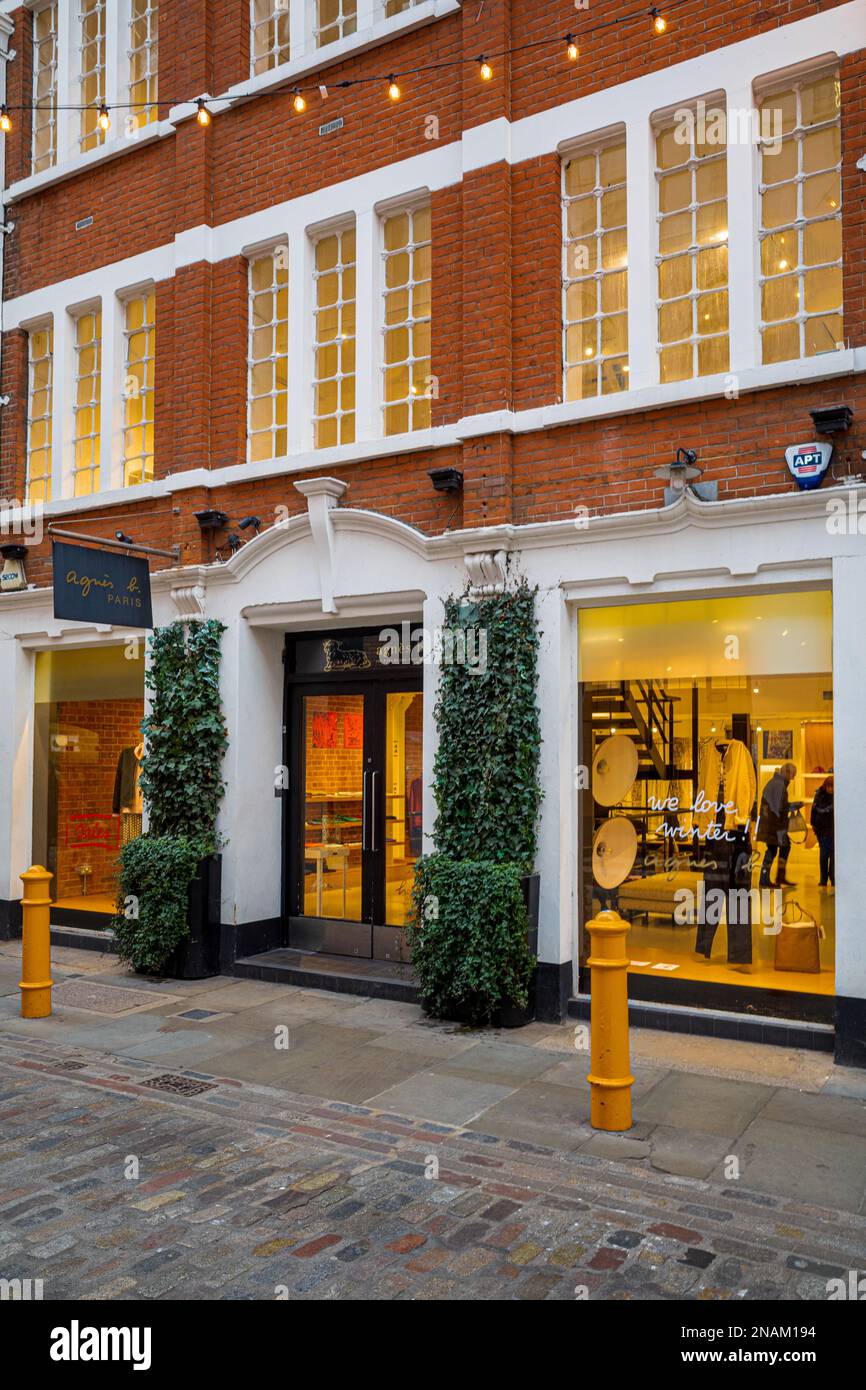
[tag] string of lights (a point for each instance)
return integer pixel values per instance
(569, 43)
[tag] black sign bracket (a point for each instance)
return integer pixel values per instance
(173, 554)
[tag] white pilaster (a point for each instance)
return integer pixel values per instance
(300, 409)
(111, 394)
(16, 765)
(368, 271)
(68, 67)
(300, 28)
(642, 245)
(557, 827)
(115, 52)
(63, 368)
(743, 291)
(368, 12)
(849, 683)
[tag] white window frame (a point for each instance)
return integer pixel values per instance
(342, 23)
(44, 326)
(276, 53)
(410, 207)
(261, 253)
(661, 121)
(764, 91)
(150, 48)
(54, 67)
(101, 9)
(322, 233)
(141, 292)
(594, 145)
(95, 402)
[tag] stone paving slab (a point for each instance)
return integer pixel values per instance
(816, 1162)
(286, 1195)
(713, 1105)
(449, 1099)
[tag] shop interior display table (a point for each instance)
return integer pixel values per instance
(319, 853)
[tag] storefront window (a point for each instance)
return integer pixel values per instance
(707, 787)
(88, 710)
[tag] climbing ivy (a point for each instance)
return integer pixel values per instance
(486, 767)
(185, 733)
(182, 786)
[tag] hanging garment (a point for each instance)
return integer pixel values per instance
(709, 781)
(130, 826)
(413, 815)
(127, 796)
(731, 877)
(740, 783)
(729, 781)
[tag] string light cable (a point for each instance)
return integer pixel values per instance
(202, 107)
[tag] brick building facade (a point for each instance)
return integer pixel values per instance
(511, 265)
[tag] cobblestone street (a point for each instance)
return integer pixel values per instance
(246, 1192)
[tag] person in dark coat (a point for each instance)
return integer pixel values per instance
(772, 827)
(822, 821)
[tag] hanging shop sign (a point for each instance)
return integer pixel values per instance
(100, 586)
(807, 463)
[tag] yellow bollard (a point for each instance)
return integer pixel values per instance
(36, 979)
(610, 1077)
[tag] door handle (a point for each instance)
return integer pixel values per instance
(364, 813)
(373, 811)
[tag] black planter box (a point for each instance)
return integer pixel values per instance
(198, 956)
(511, 1015)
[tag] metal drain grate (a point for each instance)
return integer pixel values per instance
(178, 1085)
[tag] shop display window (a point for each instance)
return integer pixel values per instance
(706, 787)
(87, 715)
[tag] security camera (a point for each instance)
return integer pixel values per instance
(127, 540)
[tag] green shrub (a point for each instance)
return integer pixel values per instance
(468, 936)
(155, 873)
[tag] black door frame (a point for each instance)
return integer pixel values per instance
(371, 938)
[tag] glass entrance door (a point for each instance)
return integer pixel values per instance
(334, 780)
(355, 817)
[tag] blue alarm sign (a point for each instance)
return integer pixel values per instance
(807, 463)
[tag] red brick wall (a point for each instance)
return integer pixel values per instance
(496, 268)
(85, 775)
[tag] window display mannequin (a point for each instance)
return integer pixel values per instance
(729, 775)
(127, 793)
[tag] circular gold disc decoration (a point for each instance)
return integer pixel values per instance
(614, 769)
(614, 849)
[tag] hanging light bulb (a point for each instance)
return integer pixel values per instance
(485, 70)
(571, 48)
(299, 103)
(393, 89)
(5, 120)
(660, 24)
(202, 115)
(103, 119)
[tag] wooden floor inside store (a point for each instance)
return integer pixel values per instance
(659, 947)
